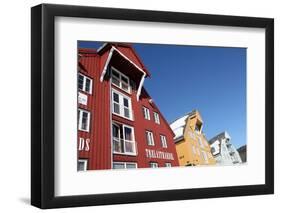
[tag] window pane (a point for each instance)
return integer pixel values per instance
(88, 85)
(118, 166)
(131, 166)
(116, 108)
(115, 74)
(115, 131)
(117, 145)
(84, 120)
(81, 165)
(126, 102)
(126, 113)
(124, 79)
(153, 165)
(125, 86)
(115, 97)
(115, 81)
(80, 82)
(128, 133)
(129, 147)
(147, 138)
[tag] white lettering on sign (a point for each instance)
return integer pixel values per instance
(84, 145)
(82, 98)
(150, 153)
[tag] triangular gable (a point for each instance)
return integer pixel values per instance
(128, 51)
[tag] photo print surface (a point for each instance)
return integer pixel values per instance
(159, 106)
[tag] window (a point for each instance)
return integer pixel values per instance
(198, 127)
(191, 135)
(204, 157)
(156, 117)
(198, 151)
(200, 142)
(120, 80)
(149, 138)
(153, 165)
(163, 141)
(82, 165)
(193, 149)
(123, 139)
(84, 83)
(121, 105)
(124, 165)
(146, 113)
(83, 120)
(168, 165)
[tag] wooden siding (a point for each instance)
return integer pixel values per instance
(99, 104)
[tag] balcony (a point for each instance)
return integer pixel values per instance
(124, 147)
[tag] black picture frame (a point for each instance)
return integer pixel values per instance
(43, 102)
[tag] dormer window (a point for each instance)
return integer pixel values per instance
(198, 127)
(120, 80)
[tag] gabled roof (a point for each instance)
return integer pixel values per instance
(128, 51)
(219, 136)
(178, 126)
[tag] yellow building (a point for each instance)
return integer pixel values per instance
(191, 144)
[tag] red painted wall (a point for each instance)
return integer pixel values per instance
(100, 155)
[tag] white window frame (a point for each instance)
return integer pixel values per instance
(122, 140)
(168, 164)
(125, 164)
(121, 81)
(146, 113)
(85, 164)
(153, 165)
(163, 142)
(198, 151)
(80, 117)
(151, 141)
(156, 117)
(84, 83)
(200, 142)
(122, 108)
(204, 156)
(193, 149)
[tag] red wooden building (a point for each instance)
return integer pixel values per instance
(119, 125)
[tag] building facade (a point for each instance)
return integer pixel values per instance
(223, 150)
(191, 144)
(243, 153)
(119, 125)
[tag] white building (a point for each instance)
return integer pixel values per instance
(223, 151)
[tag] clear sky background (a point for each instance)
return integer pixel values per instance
(209, 79)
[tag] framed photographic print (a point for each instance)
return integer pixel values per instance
(139, 106)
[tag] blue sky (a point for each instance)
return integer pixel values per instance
(209, 79)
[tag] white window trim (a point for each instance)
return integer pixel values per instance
(125, 164)
(85, 164)
(200, 142)
(166, 165)
(205, 157)
(146, 113)
(121, 105)
(80, 120)
(193, 149)
(133, 141)
(120, 79)
(84, 83)
(156, 117)
(153, 163)
(152, 137)
(164, 145)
